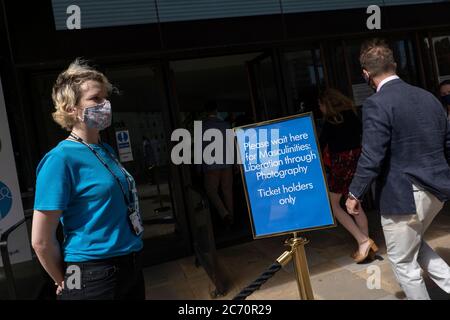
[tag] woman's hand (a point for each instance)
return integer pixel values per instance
(45, 244)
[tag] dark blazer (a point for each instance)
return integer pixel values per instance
(405, 140)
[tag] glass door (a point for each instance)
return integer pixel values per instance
(347, 73)
(305, 77)
(265, 88)
(196, 84)
(141, 133)
(437, 57)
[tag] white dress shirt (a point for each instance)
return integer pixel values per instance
(386, 80)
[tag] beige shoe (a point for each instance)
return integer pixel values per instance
(370, 251)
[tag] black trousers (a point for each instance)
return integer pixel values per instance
(118, 278)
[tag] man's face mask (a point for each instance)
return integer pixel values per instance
(98, 116)
(446, 100)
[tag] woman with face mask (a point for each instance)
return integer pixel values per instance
(82, 184)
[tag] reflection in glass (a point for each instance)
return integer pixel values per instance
(403, 55)
(305, 74)
(224, 81)
(138, 109)
(442, 54)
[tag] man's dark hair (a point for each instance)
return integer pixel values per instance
(444, 83)
(211, 106)
(376, 57)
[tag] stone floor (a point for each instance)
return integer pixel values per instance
(334, 275)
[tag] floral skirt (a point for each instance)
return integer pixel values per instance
(341, 170)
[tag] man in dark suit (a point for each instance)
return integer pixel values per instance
(406, 144)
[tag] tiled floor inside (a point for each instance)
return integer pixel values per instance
(334, 275)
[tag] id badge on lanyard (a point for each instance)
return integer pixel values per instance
(132, 200)
(133, 209)
(136, 222)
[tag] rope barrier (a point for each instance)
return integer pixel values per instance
(255, 285)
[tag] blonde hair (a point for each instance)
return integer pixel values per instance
(335, 102)
(66, 91)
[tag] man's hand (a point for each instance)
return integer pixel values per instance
(60, 288)
(352, 206)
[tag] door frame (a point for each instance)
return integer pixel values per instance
(311, 47)
(256, 84)
(198, 216)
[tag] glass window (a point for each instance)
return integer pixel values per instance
(305, 76)
(403, 55)
(442, 56)
(138, 110)
(197, 83)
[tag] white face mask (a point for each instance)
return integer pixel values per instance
(98, 116)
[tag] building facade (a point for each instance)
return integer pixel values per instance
(258, 60)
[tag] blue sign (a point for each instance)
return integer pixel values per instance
(123, 140)
(122, 137)
(5, 200)
(283, 176)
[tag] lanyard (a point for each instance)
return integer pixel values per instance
(126, 174)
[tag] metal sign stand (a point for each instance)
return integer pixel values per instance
(298, 255)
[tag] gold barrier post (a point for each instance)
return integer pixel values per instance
(297, 245)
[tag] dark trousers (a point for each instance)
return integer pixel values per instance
(118, 278)
(223, 178)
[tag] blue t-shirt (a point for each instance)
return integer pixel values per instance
(94, 218)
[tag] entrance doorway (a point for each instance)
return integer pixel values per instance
(223, 81)
(246, 88)
(141, 113)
